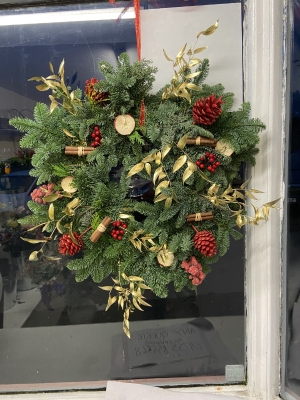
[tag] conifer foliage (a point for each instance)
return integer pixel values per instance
(192, 165)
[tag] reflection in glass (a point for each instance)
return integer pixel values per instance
(47, 317)
(292, 362)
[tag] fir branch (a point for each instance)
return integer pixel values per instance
(136, 137)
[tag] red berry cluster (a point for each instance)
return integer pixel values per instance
(209, 161)
(94, 94)
(67, 246)
(45, 190)
(195, 270)
(119, 230)
(96, 137)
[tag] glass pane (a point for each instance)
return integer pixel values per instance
(55, 330)
(292, 350)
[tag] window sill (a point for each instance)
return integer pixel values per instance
(236, 390)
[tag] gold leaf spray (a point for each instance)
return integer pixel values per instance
(181, 81)
(128, 297)
(237, 197)
(61, 96)
(160, 176)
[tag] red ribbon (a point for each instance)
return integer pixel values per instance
(137, 24)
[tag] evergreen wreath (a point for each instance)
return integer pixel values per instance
(185, 140)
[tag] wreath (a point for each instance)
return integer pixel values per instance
(93, 150)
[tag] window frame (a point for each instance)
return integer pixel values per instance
(265, 50)
(265, 87)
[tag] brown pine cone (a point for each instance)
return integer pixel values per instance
(206, 111)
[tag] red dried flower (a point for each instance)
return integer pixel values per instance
(194, 268)
(95, 95)
(39, 193)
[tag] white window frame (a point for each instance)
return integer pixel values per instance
(265, 56)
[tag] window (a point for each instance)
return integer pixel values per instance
(263, 266)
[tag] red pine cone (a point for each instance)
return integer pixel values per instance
(67, 246)
(206, 111)
(95, 95)
(205, 243)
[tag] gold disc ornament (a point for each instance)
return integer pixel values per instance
(224, 148)
(67, 184)
(124, 124)
(165, 257)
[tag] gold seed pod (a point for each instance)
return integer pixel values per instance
(124, 124)
(67, 186)
(165, 257)
(224, 148)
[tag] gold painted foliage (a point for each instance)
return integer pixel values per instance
(128, 297)
(238, 198)
(160, 177)
(140, 239)
(69, 211)
(181, 82)
(60, 93)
